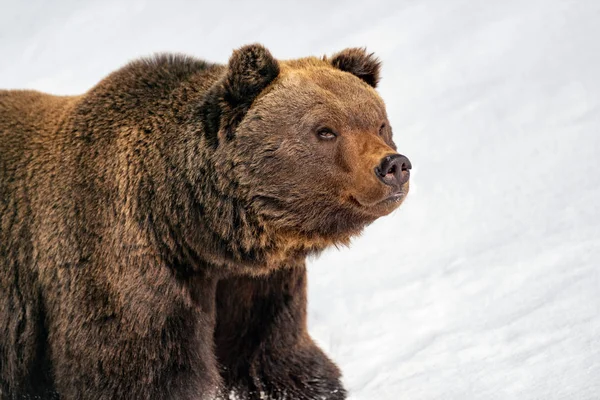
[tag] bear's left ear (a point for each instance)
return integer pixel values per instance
(359, 63)
(250, 70)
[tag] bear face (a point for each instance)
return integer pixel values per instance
(310, 149)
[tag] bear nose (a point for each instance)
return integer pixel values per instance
(394, 170)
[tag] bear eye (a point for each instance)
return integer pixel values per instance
(326, 134)
(382, 129)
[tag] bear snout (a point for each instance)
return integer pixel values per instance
(394, 170)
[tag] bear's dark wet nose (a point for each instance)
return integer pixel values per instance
(394, 170)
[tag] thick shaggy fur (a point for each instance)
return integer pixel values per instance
(153, 231)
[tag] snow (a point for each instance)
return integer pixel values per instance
(485, 284)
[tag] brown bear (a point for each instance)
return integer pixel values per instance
(153, 231)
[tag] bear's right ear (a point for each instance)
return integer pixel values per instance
(249, 71)
(359, 63)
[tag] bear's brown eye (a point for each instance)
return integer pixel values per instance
(382, 129)
(326, 134)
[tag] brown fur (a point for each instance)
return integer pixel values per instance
(153, 231)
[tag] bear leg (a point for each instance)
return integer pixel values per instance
(262, 340)
(154, 344)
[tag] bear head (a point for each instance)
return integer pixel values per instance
(308, 142)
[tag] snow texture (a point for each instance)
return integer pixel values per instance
(486, 283)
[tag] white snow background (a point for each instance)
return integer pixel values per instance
(485, 284)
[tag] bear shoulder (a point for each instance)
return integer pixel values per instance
(160, 73)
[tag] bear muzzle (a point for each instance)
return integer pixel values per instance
(394, 170)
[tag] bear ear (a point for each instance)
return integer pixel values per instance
(359, 63)
(250, 70)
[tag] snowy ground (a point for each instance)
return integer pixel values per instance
(486, 283)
